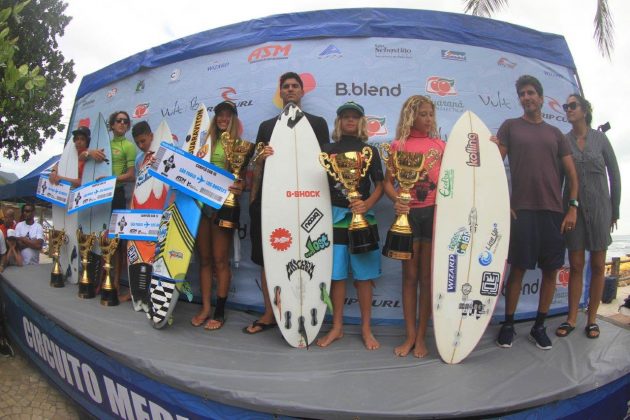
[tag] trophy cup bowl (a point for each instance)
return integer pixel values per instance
(57, 238)
(236, 153)
(109, 294)
(348, 168)
(406, 168)
(86, 284)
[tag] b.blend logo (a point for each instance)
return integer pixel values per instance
(441, 86)
(269, 52)
(363, 89)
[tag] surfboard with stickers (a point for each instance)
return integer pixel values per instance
(471, 238)
(296, 228)
(96, 219)
(69, 251)
(176, 236)
(150, 194)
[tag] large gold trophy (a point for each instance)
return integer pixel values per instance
(236, 153)
(57, 238)
(406, 168)
(109, 294)
(349, 168)
(86, 283)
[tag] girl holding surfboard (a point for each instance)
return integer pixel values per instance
(417, 132)
(350, 135)
(213, 241)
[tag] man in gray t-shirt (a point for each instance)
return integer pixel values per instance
(538, 154)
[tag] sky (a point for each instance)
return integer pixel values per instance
(102, 33)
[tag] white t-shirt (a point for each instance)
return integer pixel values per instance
(34, 231)
(3, 244)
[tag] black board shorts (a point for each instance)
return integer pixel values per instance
(255, 232)
(535, 238)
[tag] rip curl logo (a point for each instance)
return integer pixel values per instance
(280, 239)
(303, 265)
(472, 148)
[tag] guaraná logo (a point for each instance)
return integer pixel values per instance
(441, 86)
(376, 126)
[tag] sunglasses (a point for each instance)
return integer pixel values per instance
(571, 106)
(122, 121)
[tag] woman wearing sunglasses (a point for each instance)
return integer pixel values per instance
(598, 210)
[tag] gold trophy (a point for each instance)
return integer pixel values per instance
(57, 237)
(236, 153)
(406, 167)
(349, 168)
(86, 284)
(109, 294)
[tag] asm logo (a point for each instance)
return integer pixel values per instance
(270, 52)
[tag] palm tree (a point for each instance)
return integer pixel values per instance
(604, 31)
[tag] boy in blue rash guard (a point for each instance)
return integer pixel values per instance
(350, 134)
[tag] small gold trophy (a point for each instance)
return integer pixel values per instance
(109, 294)
(86, 284)
(406, 167)
(57, 238)
(349, 168)
(236, 153)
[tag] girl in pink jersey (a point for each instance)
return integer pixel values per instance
(417, 132)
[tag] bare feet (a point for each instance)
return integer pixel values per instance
(420, 348)
(200, 318)
(369, 341)
(404, 349)
(124, 298)
(333, 335)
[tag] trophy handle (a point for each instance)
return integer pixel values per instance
(367, 158)
(386, 155)
(258, 151)
(326, 162)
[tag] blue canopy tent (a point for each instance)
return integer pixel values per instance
(24, 189)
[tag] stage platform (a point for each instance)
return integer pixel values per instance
(113, 363)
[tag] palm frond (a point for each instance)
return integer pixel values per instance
(484, 8)
(604, 29)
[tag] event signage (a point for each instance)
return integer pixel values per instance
(92, 194)
(56, 194)
(138, 225)
(191, 175)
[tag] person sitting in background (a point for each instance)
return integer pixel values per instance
(8, 221)
(12, 256)
(30, 236)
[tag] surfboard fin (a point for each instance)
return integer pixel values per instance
(326, 297)
(313, 316)
(184, 287)
(277, 301)
(302, 330)
(287, 320)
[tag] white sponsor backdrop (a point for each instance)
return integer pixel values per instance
(379, 73)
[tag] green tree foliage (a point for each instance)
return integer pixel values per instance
(30, 105)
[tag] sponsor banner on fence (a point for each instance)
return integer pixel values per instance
(193, 176)
(55, 194)
(92, 194)
(138, 225)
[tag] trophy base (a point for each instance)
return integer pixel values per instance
(228, 217)
(109, 297)
(361, 241)
(86, 291)
(56, 280)
(398, 246)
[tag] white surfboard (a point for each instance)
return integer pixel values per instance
(471, 238)
(69, 251)
(296, 210)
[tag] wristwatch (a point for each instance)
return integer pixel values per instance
(574, 203)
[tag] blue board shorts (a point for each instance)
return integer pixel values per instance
(535, 238)
(365, 266)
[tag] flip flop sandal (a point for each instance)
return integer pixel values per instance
(258, 324)
(592, 331)
(220, 322)
(196, 323)
(564, 329)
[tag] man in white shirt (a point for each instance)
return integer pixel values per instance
(30, 235)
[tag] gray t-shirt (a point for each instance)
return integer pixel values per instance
(535, 151)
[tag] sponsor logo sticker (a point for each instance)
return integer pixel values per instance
(280, 239)
(441, 86)
(453, 55)
(451, 285)
(490, 283)
(319, 244)
(311, 221)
